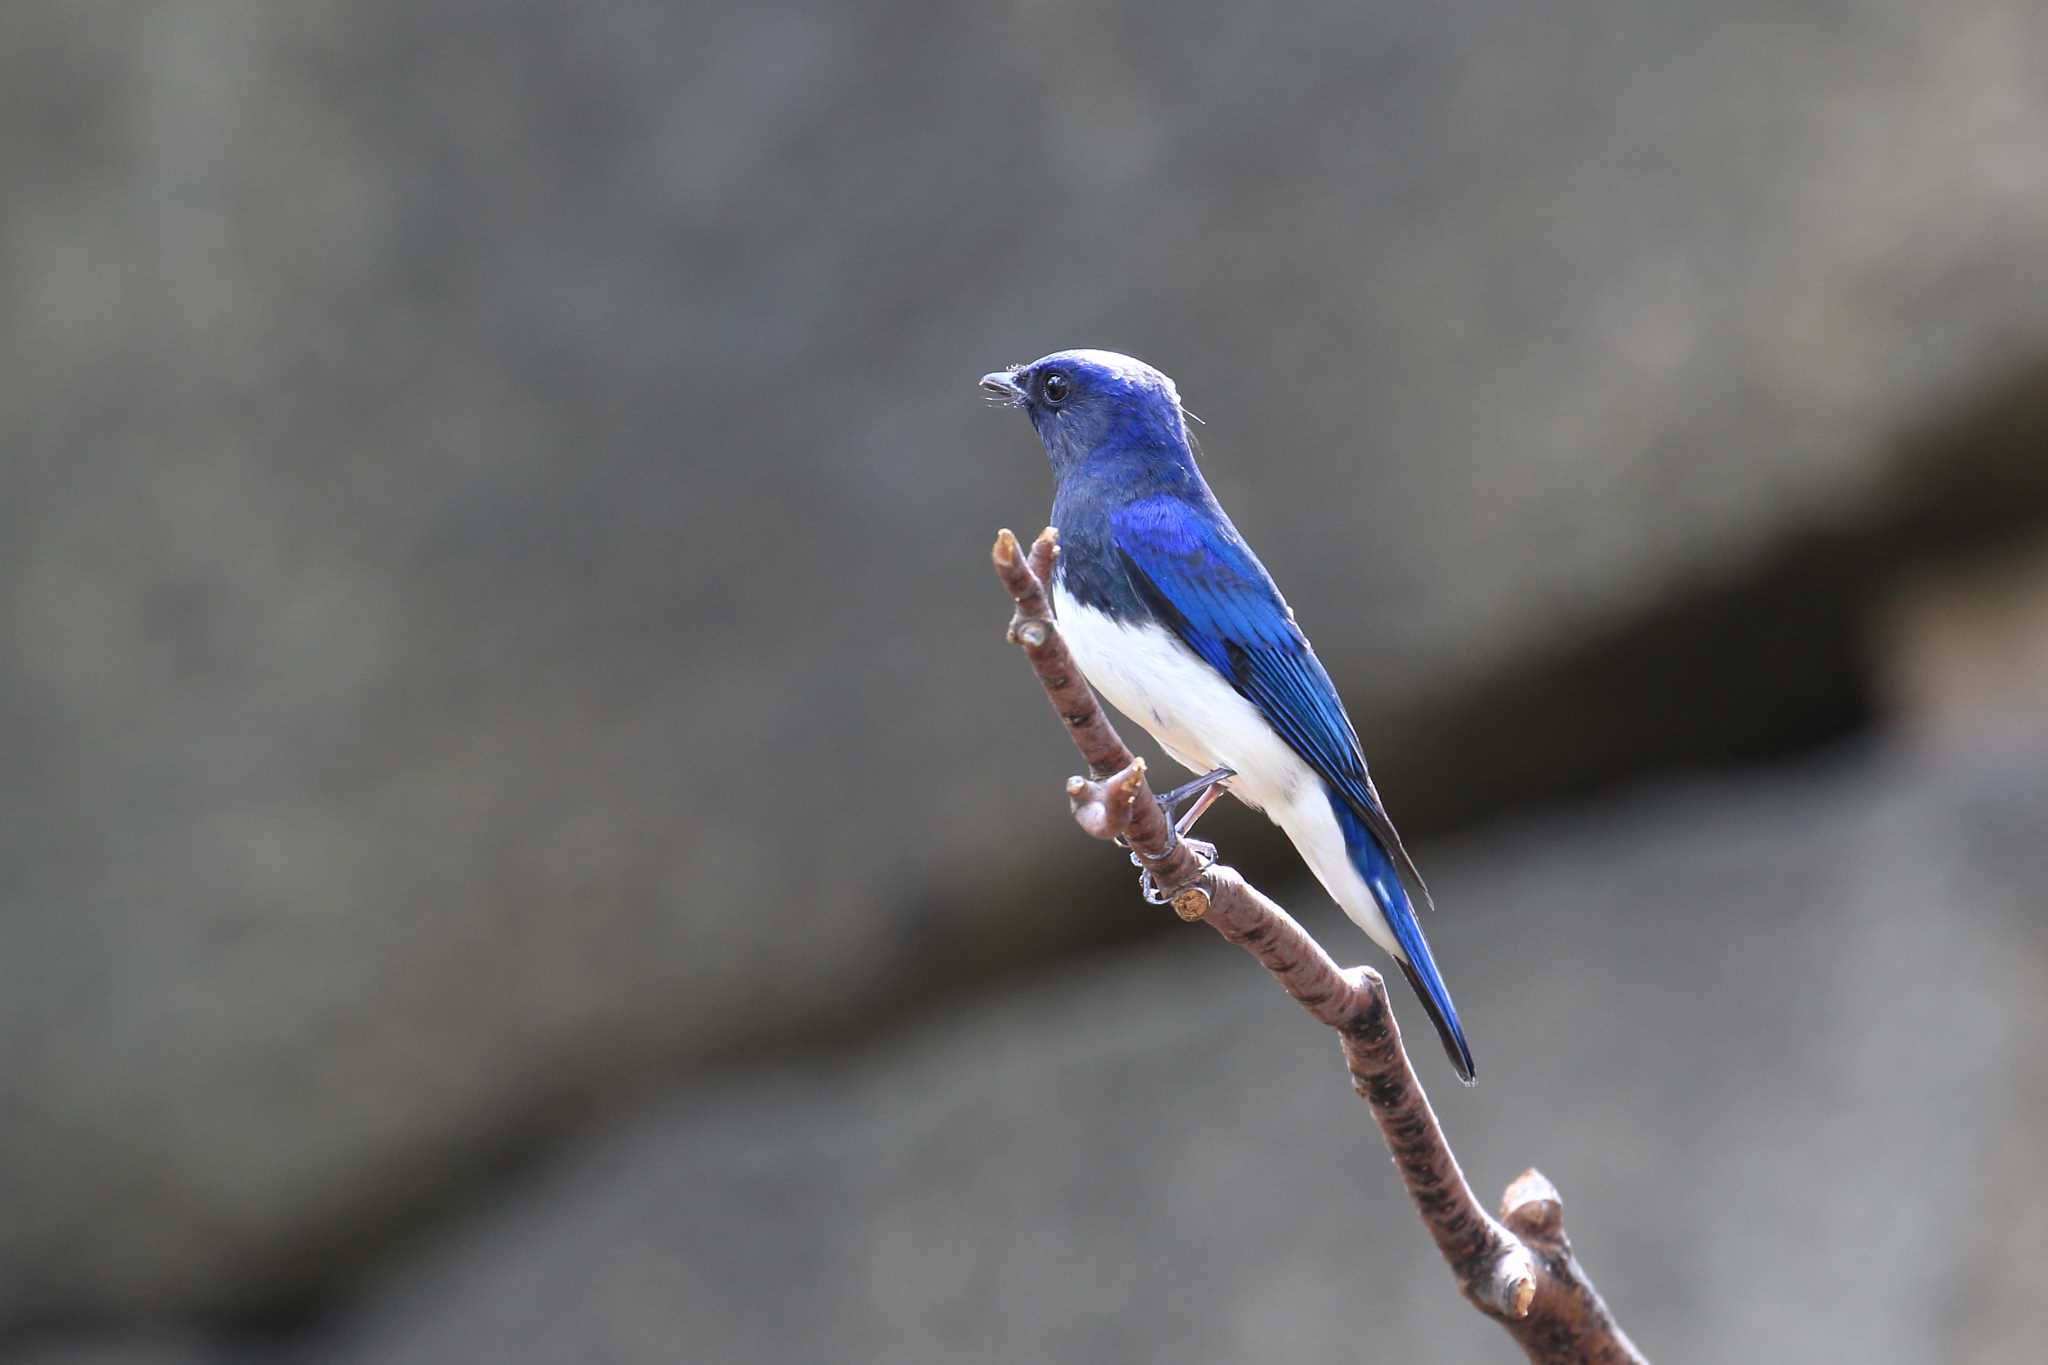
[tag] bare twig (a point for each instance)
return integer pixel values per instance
(1517, 1269)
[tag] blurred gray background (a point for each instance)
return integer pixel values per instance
(522, 840)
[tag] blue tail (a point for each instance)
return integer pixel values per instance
(1374, 864)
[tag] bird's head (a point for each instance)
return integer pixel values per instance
(1082, 402)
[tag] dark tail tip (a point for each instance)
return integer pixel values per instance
(1446, 1028)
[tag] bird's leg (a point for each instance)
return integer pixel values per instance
(1209, 796)
(1205, 790)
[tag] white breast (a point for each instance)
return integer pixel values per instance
(1200, 720)
(1197, 717)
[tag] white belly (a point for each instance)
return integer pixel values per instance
(1201, 721)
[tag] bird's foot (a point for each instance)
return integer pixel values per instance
(1148, 885)
(1204, 791)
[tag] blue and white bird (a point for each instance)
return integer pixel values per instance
(1177, 623)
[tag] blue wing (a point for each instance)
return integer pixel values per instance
(1197, 574)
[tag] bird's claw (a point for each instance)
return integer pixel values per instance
(1203, 791)
(1148, 886)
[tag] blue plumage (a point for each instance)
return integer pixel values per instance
(1176, 621)
(1417, 963)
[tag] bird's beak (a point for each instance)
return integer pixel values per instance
(1003, 384)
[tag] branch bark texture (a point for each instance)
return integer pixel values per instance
(1518, 1268)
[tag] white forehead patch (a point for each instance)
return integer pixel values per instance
(1131, 370)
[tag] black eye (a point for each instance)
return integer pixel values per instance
(1055, 388)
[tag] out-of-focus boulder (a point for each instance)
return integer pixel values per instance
(143, 1349)
(1776, 1040)
(495, 499)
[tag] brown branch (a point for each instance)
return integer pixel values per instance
(1517, 1269)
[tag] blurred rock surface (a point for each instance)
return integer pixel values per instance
(1962, 653)
(1776, 1040)
(495, 504)
(137, 1350)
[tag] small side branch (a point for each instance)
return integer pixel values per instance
(1517, 1269)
